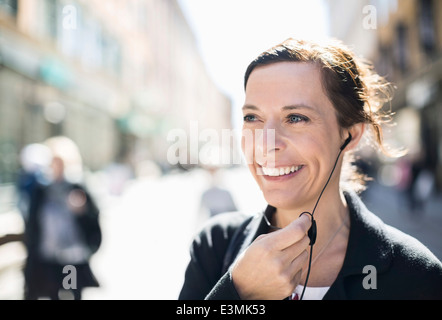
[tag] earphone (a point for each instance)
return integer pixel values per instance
(312, 232)
(346, 143)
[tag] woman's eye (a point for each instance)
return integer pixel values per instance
(249, 118)
(294, 118)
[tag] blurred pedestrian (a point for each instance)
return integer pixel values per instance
(421, 184)
(216, 199)
(422, 190)
(316, 239)
(62, 229)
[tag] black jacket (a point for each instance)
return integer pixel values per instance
(405, 268)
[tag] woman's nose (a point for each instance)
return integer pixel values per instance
(268, 141)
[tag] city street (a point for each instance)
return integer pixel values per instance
(148, 229)
(147, 233)
(137, 98)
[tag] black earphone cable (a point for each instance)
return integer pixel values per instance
(313, 229)
(326, 184)
(312, 233)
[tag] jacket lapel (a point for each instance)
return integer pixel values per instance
(256, 227)
(367, 246)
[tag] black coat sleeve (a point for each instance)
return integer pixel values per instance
(204, 276)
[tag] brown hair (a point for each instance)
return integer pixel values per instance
(356, 91)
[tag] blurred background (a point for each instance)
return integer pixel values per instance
(127, 80)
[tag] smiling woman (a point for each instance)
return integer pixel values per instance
(318, 100)
(355, 91)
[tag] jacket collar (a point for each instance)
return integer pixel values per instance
(256, 227)
(367, 244)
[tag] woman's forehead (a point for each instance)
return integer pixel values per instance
(286, 84)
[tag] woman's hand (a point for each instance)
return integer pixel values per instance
(271, 268)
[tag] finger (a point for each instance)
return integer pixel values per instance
(261, 238)
(291, 234)
(293, 251)
(299, 262)
(297, 279)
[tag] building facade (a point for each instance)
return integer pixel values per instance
(115, 76)
(406, 48)
(410, 54)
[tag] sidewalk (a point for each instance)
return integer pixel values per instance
(392, 207)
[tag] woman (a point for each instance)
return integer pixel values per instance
(316, 239)
(62, 230)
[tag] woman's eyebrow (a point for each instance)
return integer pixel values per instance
(297, 106)
(249, 106)
(286, 108)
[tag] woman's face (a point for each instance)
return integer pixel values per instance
(286, 100)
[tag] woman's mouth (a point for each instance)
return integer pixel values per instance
(275, 173)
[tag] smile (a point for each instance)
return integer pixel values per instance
(277, 172)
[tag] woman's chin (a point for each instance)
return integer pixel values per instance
(283, 200)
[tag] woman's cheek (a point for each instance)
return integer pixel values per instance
(247, 146)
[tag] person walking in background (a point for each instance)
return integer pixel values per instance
(62, 228)
(420, 184)
(216, 199)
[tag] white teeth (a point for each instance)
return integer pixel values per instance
(276, 172)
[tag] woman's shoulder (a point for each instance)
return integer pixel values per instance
(224, 225)
(402, 261)
(391, 240)
(414, 270)
(218, 231)
(228, 219)
(407, 250)
(211, 242)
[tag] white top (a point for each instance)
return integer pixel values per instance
(311, 293)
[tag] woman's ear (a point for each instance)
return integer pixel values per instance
(356, 132)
